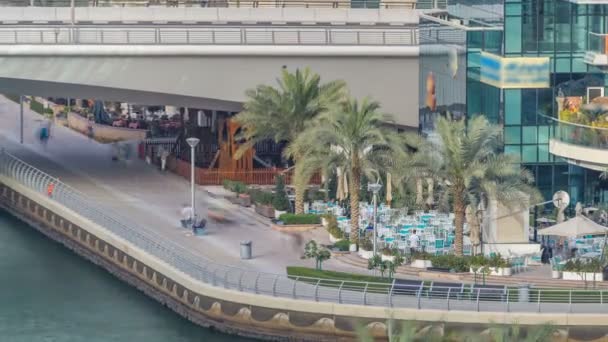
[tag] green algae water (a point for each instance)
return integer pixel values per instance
(50, 294)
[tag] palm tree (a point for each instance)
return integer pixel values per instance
(473, 169)
(280, 114)
(353, 138)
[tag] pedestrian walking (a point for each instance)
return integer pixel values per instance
(164, 154)
(50, 188)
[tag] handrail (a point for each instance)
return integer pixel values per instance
(296, 287)
(408, 4)
(149, 35)
(579, 134)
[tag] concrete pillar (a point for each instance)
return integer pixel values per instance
(200, 116)
(213, 120)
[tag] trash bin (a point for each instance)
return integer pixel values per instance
(523, 293)
(245, 250)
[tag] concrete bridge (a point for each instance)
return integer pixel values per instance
(206, 67)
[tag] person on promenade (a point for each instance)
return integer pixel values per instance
(50, 188)
(414, 242)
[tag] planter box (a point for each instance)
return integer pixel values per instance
(245, 200)
(390, 258)
(278, 213)
(418, 263)
(497, 271)
(582, 276)
(265, 210)
(353, 247)
(293, 228)
(332, 239)
(366, 254)
(556, 274)
(324, 222)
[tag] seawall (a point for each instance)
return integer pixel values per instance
(235, 312)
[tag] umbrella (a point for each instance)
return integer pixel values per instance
(345, 185)
(339, 190)
(577, 226)
(419, 190)
(545, 220)
(389, 195)
(429, 199)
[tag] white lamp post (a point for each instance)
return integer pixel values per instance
(192, 142)
(374, 188)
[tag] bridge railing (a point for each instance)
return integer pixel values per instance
(395, 293)
(54, 35)
(386, 4)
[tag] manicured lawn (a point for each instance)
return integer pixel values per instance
(348, 281)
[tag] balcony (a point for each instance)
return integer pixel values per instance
(598, 49)
(582, 145)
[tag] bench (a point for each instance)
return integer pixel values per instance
(441, 290)
(438, 269)
(407, 287)
(497, 293)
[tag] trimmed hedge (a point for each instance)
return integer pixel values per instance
(260, 197)
(300, 219)
(342, 245)
(36, 106)
(235, 186)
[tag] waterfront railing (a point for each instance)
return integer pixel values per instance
(395, 293)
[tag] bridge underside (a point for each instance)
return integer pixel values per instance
(211, 78)
(57, 89)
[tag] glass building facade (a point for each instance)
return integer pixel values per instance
(560, 30)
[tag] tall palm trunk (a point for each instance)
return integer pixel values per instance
(459, 217)
(300, 190)
(354, 186)
(299, 185)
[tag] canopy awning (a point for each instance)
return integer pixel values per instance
(577, 226)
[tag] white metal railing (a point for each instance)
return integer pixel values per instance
(108, 35)
(398, 293)
(400, 4)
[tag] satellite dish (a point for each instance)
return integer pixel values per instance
(561, 199)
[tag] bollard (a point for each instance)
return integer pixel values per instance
(245, 250)
(523, 292)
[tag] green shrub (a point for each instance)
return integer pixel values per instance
(366, 244)
(48, 111)
(36, 106)
(342, 245)
(332, 226)
(390, 251)
(452, 262)
(260, 197)
(300, 218)
(235, 186)
(280, 201)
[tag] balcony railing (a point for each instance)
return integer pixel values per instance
(400, 4)
(597, 53)
(581, 135)
(113, 35)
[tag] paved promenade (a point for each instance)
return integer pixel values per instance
(144, 194)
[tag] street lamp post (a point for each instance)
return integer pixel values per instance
(192, 142)
(374, 188)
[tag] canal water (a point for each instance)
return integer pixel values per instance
(48, 293)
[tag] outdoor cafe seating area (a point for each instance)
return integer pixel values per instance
(435, 229)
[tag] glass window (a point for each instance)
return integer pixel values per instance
(529, 154)
(513, 9)
(512, 107)
(528, 109)
(562, 65)
(543, 134)
(543, 153)
(544, 177)
(513, 34)
(513, 150)
(512, 135)
(529, 135)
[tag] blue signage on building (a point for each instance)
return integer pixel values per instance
(515, 72)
